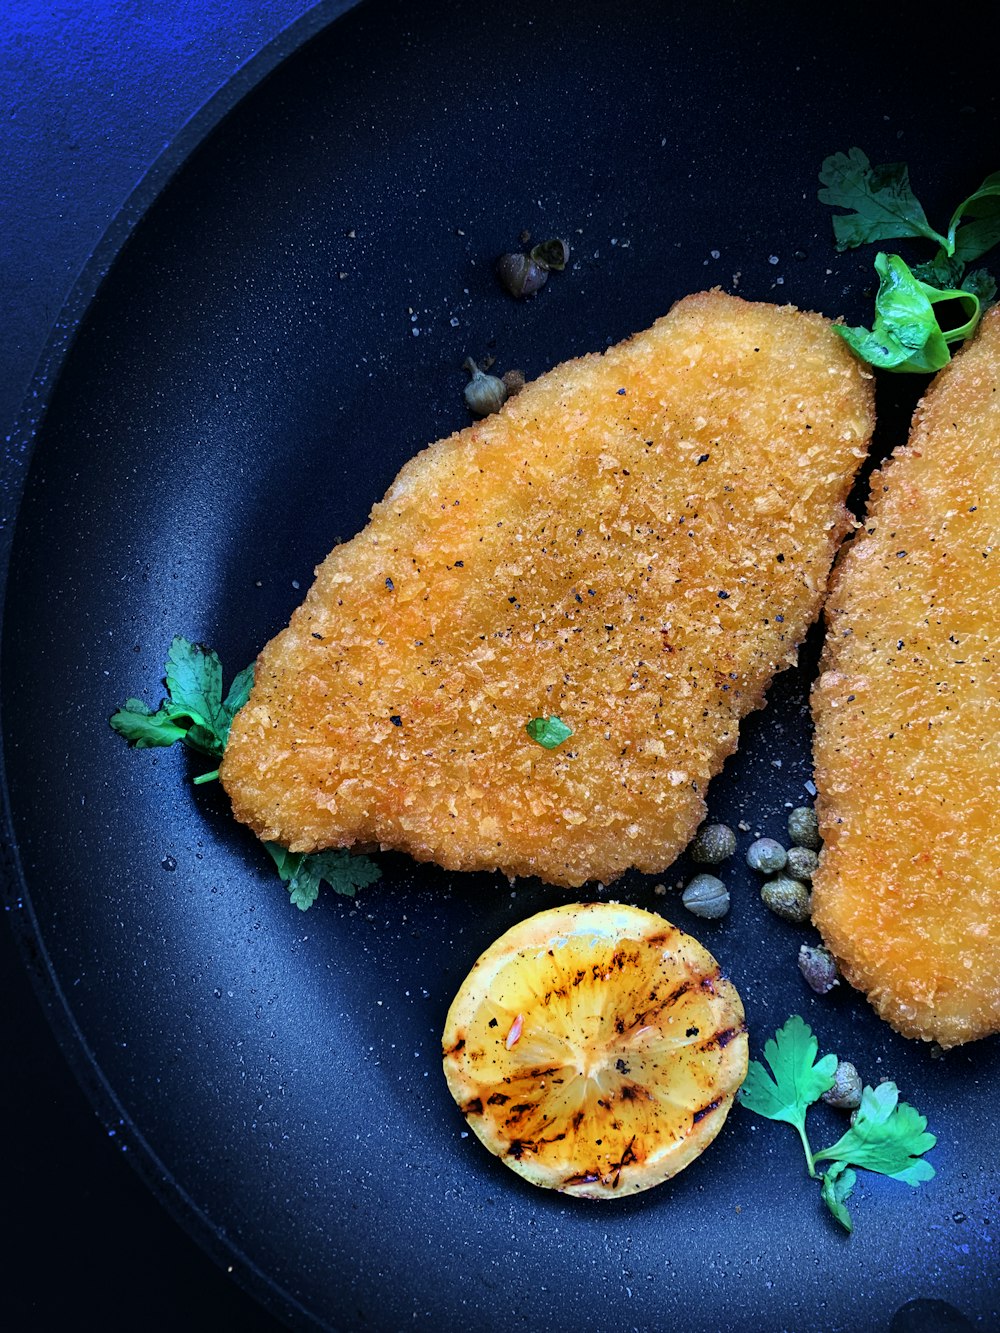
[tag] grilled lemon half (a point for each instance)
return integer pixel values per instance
(596, 1049)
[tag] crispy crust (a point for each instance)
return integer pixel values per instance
(907, 712)
(636, 543)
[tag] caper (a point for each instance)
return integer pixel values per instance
(552, 254)
(819, 967)
(521, 275)
(787, 897)
(846, 1091)
(713, 844)
(803, 828)
(706, 896)
(483, 393)
(766, 855)
(801, 863)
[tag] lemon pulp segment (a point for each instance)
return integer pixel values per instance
(596, 1049)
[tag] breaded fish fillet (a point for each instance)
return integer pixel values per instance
(635, 544)
(907, 710)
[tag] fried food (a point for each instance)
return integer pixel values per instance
(634, 544)
(907, 711)
(595, 1049)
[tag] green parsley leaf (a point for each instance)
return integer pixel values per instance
(982, 285)
(888, 1136)
(548, 731)
(303, 872)
(194, 711)
(287, 862)
(838, 1185)
(799, 1079)
(197, 736)
(906, 335)
(971, 239)
(194, 682)
(940, 271)
(143, 728)
(239, 693)
(882, 204)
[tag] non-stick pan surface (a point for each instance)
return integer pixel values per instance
(282, 331)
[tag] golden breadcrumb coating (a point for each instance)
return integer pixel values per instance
(907, 710)
(635, 544)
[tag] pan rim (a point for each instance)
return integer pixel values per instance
(18, 453)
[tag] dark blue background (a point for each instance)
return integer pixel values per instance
(94, 94)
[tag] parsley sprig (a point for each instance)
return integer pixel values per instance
(194, 710)
(548, 732)
(887, 1136)
(303, 872)
(196, 714)
(906, 334)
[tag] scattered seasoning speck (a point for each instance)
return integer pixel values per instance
(396, 720)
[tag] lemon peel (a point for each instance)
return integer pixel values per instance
(596, 1049)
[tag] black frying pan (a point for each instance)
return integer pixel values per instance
(231, 406)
